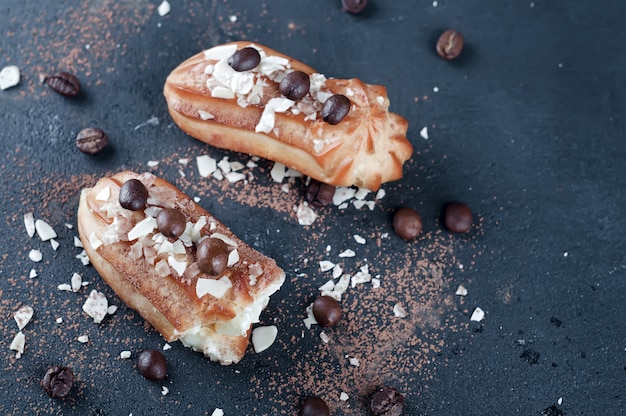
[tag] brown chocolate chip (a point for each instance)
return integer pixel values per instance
(295, 85)
(152, 365)
(91, 140)
(335, 109)
(458, 217)
(171, 222)
(353, 6)
(63, 83)
(450, 44)
(386, 401)
(407, 223)
(133, 195)
(327, 311)
(212, 255)
(244, 59)
(58, 381)
(319, 193)
(314, 406)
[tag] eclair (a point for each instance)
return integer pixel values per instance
(177, 265)
(249, 98)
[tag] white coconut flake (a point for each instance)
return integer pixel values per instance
(375, 283)
(263, 337)
(225, 239)
(18, 344)
(424, 133)
(96, 306)
(152, 163)
(54, 244)
(478, 315)
(305, 214)
(215, 288)
(278, 172)
(9, 77)
(59, 320)
(142, 228)
(178, 266)
(380, 194)
(77, 282)
(29, 223)
(23, 316)
(94, 241)
(65, 287)
(337, 271)
(347, 253)
(32, 274)
(233, 258)
(111, 309)
(328, 286)
(125, 355)
(325, 338)
(104, 194)
(84, 259)
(83, 339)
(344, 396)
(361, 193)
(326, 265)
(359, 239)
(461, 291)
(343, 194)
(217, 412)
(44, 230)
(77, 242)
(206, 165)
(399, 311)
(164, 8)
(35, 255)
(234, 177)
(220, 52)
(354, 361)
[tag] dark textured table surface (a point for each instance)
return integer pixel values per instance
(527, 127)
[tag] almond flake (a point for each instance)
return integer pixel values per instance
(478, 315)
(328, 286)
(205, 115)
(278, 172)
(310, 318)
(125, 354)
(263, 337)
(96, 306)
(337, 271)
(29, 223)
(167, 347)
(354, 361)
(217, 412)
(424, 133)
(326, 265)
(9, 77)
(375, 283)
(77, 242)
(361, 193)
(343, 396)
(164, 8)
(22, 316)
(399, 311)
(215, 288)
(220, 52)
(461, 291)
(305, 214)
(142, 228)
(77, 282)
(64, 287)
(347, 253)
(32, 274)
(178, 266)
(234, 177)
(164, 391)
(18, 343)
(83, 339)
(104, 194)
(111, 309)
(35, 255)
(359, 239)
(343, 194)
(94, 241)
(153, 163)
(380, 194)
(325, 338)
(206, 165)
(59, 320)
(44, 230)
(233, 258)
(54, 244)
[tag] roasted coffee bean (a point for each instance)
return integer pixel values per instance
(63, 83)
(386, 401)
(212, 256)
(450, 44)
(133, 195)
(171, 222)
(295, 85)
(353, 6)
(319, 193)
(57, 382)
(327, 311)
(335, 109)
(458, 217)
(407, 223)
(91, 140)
(314, 406)
(244, 59)
(152, 365)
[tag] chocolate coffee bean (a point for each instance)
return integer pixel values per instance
(63, 83)
(327, 311)
(295, 85)
(58, 381)
(133, 195)
(319, 193)
(386, 401)
(353, 6)
(458, 217)
(244, 59)
(171, 222)
(314, 406)
(91, 140)
(407, 223)
(212, 256)
(450, 44)
(152, 365)
(335, 109)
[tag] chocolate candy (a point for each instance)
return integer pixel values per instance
(458, 217)
(327, 311)
(91, 140)
(58, 381)
(152, 365)
(386, 401)
(353, 6)
(171, 222)
(319, 193)
(63, 83)
(314, 406)
(335, 109)
(244, 59)
(212, 255)
(450, 44)
(133, 195)
(407, 223)
(295, 85)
